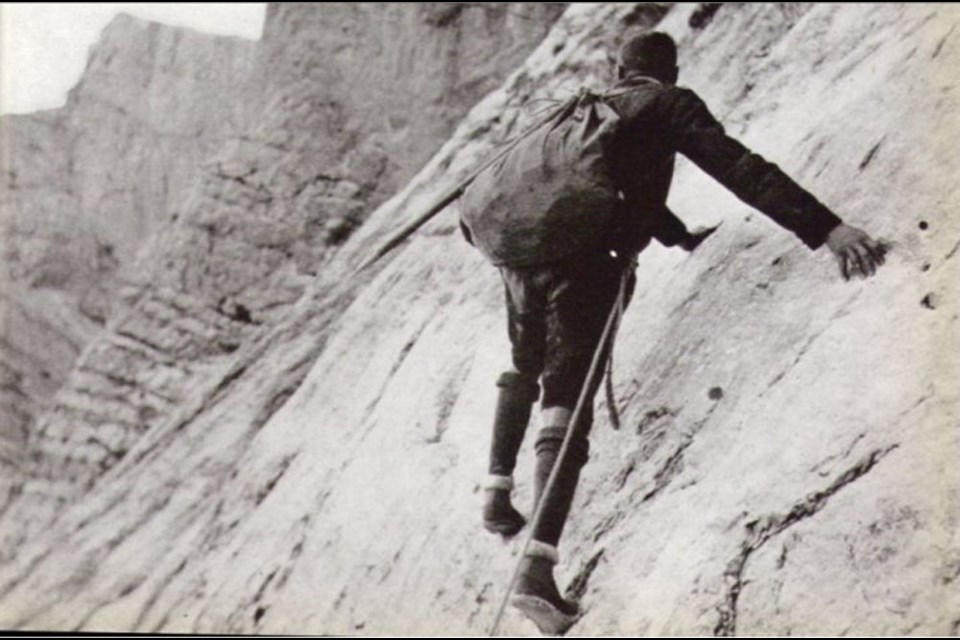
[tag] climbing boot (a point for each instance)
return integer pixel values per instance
(499, 516)
(536, 593)
(514, 404)
(556, 505)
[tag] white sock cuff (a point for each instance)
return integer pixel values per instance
(556, 417)
(498, 482)
(539, 549)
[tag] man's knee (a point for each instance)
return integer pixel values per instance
(523, 384)
(565, 374)
(527, 357)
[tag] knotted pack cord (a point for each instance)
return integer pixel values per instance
(611, 399)
(608, 382)
(606, 337)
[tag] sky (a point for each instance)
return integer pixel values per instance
(44, 46)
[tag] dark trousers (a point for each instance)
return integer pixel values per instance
(556, 314)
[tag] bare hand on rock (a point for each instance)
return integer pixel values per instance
(856, 251)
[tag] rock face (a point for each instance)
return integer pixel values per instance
(285, 448)
(83, 186)
(287, 182)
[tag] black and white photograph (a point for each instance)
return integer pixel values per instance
(480, 319)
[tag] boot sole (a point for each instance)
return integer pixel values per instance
(548, 618)
(505, 528)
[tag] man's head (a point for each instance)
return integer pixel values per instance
(650, 54)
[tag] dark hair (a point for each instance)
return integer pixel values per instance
(652, 53)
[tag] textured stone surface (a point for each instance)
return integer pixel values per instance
(786, 460)
(83, 186)
(103, 171)
(308, 151)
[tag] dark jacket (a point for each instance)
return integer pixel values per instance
(662, 120)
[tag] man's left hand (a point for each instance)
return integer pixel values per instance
(856, 251)
(696, 237)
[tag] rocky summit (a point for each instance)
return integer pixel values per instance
(245, 435)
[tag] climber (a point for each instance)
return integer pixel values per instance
(557, 310)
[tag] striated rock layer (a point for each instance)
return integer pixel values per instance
(785, 463)
(83, 186)
(309, 149)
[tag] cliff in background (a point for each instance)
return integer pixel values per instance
(83, 186)
(262, 443)
(302, 151)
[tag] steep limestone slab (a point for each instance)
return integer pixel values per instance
(783, 464)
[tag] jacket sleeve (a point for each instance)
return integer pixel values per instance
(696, 134)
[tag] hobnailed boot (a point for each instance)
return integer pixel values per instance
(499, 516)
(536, 593)
(514, 404)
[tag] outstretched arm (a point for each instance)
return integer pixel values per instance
(761, 184)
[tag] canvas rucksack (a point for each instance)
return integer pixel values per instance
(551, 193)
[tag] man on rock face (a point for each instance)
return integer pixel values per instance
(557, 311)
